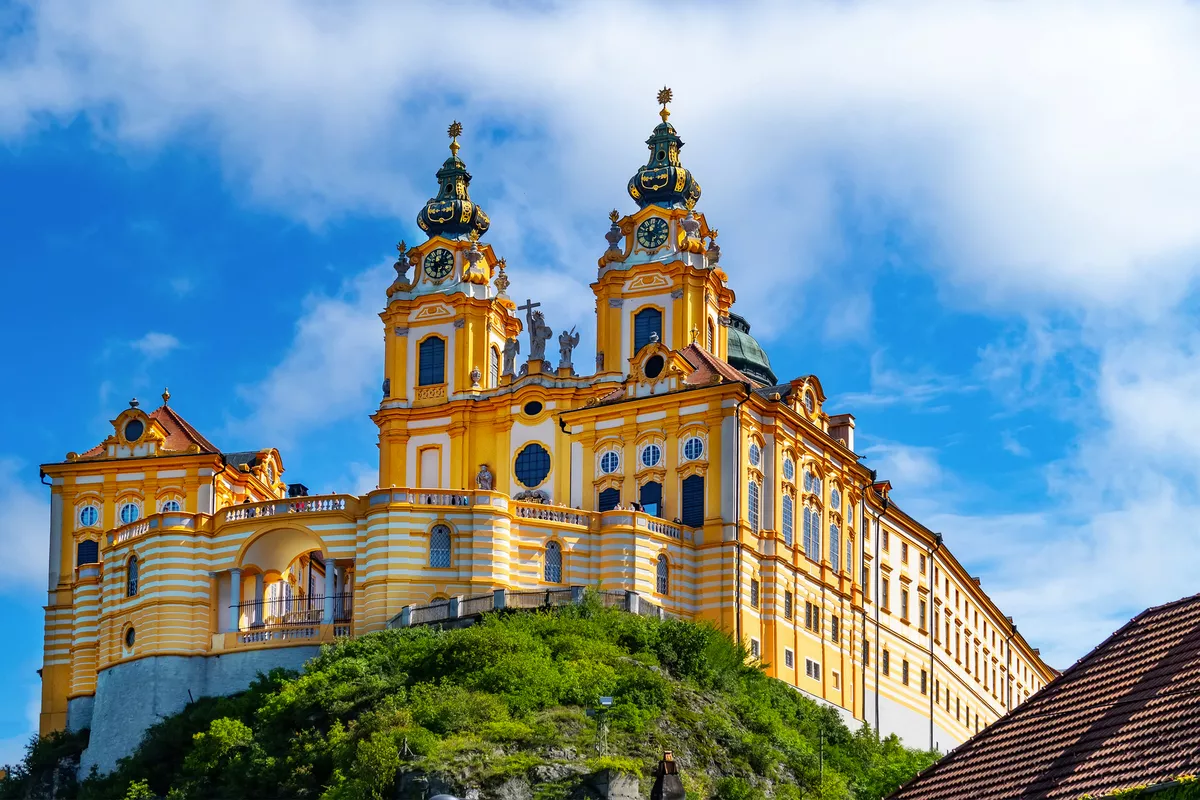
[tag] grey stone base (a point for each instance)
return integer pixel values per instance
(132, 696)
(79, 713)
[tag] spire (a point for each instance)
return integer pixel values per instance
(663, 180)
(451, 213)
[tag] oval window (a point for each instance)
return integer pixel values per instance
(789, 469)
(134, 430)
(755, 455)
(129, 637)
(610, 462)
(693, 448)
(532, 408)
(654, 366)
(651, 455)
(89, 516)
(130, 513)
(532, 465)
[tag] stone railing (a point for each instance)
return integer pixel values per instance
(461, 610)
(130, 531)
(559, 514)
(292, 505)
(663, 527)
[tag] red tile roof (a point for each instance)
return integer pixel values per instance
(180, 434)
(708, 368)
(1126, 714)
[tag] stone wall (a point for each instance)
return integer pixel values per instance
(133, 695)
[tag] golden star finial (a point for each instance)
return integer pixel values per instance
(455, 130)
(664, 97)
(614, 215)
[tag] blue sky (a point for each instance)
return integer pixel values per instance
(975, 222)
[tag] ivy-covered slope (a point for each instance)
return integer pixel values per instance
(500, 707)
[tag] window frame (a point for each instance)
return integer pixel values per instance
(440, 530)
(421, 363)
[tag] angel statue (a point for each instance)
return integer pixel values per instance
(567, 341)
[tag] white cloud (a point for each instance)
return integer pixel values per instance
(332, 369)
(1010, 444)
(12, 748)
(895, 383)
(909, 467)
(155, 345)
(24, 528)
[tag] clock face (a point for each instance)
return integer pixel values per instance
(652, 233)
(439, 263)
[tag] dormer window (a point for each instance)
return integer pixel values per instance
(134, 430)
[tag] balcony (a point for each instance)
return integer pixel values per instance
(300, 620)
(292, 505)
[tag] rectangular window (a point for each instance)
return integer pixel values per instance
(904, 604)
(947, 637)
(957, 646)
(904, 671)
(957, 710)
(837, 680)
(692, 501)
(904, 552)
(884, 537)
(924, 682)
(866, 582)
(937, 633)
(431, 361)
(754, 652)
(430, 459)
(922, 563)
(753, 593)
(834, 632)
(789, 658)
(887, 663)
(787, 605)
(812, 669)
(866, 654)
(937, 691)
(884, 594)
(921, 614)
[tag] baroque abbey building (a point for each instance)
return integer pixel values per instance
(676, 467)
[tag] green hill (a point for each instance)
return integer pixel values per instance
(500, 707)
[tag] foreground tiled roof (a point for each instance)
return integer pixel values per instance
(708, 368)
(1126, 714)
(180, 434)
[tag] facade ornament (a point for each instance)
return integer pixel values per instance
(615, 302)
(532, 496)
(614, 235)
(166, 395)
(567, 342)
(723, 320)
(387, 387)
(401, 331)
(484, 479)
(475, 272)
(134, 403)
(402, 263)
(475, 377)
(677, 294)
(501, 279)
(600, 361)
(511, 348)
(695, 334)
(459, 324)
(714, 249)
(653, 337)
(524, 370)
(539, 331)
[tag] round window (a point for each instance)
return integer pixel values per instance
(88, 516)
(651, 455)
(134, 430)
(693, 448)
(610, 462)
(755, 455)
(532, 408)
(129, 637)
(654, 366)
(129, 513)
(532, 465)
(789, 469)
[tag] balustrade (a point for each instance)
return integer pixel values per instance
(294, 505)
(561, 514)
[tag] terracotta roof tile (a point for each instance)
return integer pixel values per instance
(708, 367)
(180, 434)
(1126, 714)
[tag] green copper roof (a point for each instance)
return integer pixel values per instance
(663, 180)
(451, 213)
(746, 354)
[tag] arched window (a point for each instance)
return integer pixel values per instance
(663, 583)
(752, 493)
(553, 569)
(789, 519)
(431, 358)
(169, 506)
(494, 367)
(646, 322)
(812, 534)
(439, 546)
(789, 469)
(609, 499)
(131, 576)
(835, 548)
(692, 513)
(87, 552)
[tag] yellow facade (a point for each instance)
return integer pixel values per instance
(676, 468)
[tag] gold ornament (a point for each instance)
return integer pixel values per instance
(664, 97)
(455, 130)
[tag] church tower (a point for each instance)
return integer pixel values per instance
(445, 331)
(659, 280)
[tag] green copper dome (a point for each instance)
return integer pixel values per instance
(662, 180)
(451, 213)
(745, 353)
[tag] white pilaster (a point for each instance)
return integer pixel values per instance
(235, 599)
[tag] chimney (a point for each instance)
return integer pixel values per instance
(297, 490)
(841, 427)
(667, 783)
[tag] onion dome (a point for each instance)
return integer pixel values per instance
(663, 181)
(451, 213)
(745, 354)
